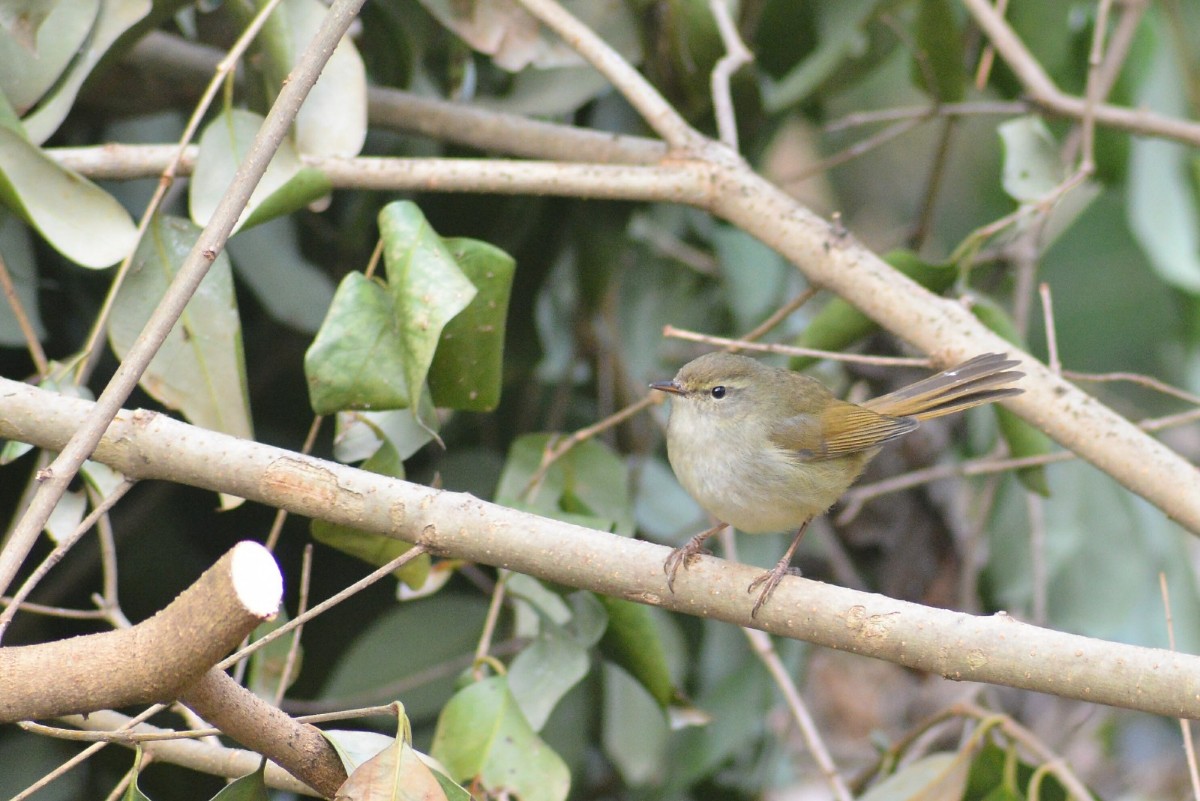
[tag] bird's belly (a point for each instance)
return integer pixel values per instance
(759, 492)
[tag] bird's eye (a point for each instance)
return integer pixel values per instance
(718, 392)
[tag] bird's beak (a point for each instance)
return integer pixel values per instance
(667, 386)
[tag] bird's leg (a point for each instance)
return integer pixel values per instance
(773, 576)
(685, 555)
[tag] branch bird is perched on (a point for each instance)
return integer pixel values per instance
(765, 449)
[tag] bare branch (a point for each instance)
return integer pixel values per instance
(991, 649)
(153, 661)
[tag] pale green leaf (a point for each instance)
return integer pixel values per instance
(17, 247)
(635, 731)
(200, 368)
(75, 216)
(286, 186)
(589, 481)
(542, 673)
(1162, 208)
(333, 120)
(936, 777)
(1032, 167)
(113, 19)
(38, 39)
(482, 737)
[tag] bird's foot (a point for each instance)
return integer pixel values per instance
(768, 581)
(686, 554)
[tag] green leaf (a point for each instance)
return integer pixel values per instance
(755, 276)
(111, 19)
(467, 367)
(200, 368)
(936, 777)
(133, 792)
(251, 787)
(483, 738)
(17, 246)
(940, 47)
(32, 61)
(406, 639)
(1161, 205)
(1032, 166)
(78, 219)
(286, 186)
(838, 324)
(1093, 528)
(1022, 438)
(359, 435)
(356, 360)
(842, 38)
(333, 120)
(588, 482)
(999, 774)
(631, 640)
(293, 290)
(635, 731)
(427, 287)
(542, 673)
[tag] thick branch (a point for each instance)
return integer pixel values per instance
(1043, 92)
(994, 649)
(299, 748)
(946, 331)
(152, 661)
(168, 63)
(830, 258)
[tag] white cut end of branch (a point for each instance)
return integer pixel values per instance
(257, 579)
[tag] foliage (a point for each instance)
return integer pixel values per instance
(499, 324)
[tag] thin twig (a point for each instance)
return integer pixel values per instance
(484, 647)
(989, 53)
(225, 67)
(60, 550)
(1052, 360)
(328, 603)
(1185, 727)
(779, 315)
(1135, 378)
(855, 150)
(293, 654)
(927, 111)
(40, 362)
(83, 756)
(736, 55)
(791, 350)
(764, 649)
(660, 115)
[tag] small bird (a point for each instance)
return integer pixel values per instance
(765, 449)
